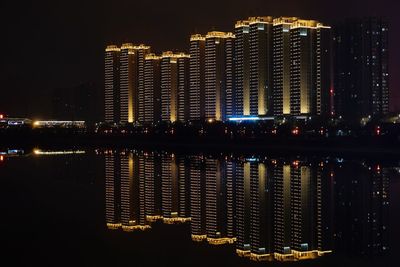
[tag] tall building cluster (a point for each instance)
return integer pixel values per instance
(265, 67)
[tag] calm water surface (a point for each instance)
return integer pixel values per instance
(156, 208)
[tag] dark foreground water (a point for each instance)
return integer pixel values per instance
(155, 208)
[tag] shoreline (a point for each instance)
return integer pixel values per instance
(281, 145)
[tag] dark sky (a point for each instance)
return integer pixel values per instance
(60, 44)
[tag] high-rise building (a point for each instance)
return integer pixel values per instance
(218, 75)
(361, 64)
(302, 67)
(281, 65)
(128, 90)
(112, 84)
(131, 80)
(174, 87)
(261, 60)
(151, 101)
(241, 92)
(310, 68)
(253, 66)
(197, 80)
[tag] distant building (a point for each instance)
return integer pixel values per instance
(361, 68)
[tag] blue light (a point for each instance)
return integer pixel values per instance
(244, 119)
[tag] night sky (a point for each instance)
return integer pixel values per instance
(60, 44)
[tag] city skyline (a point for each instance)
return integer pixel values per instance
(267, 66)
(78, 59)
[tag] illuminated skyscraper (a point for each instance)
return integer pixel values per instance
(253, 66)
(281, 65)
(302, 67)
(310, 68)
(361, 68)
(261, 59)
(127, 83)
(218, 75)
(241, 92)
(151, 101)
(197, 80)
(174, 87)
(131, 80)
(112, 84)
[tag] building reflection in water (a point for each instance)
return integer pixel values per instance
(270, 209)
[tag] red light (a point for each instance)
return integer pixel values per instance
(331, 91)
(378, 130)
(1, 158)
(295, 131)
(1, 116)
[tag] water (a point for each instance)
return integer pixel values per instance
(156, 208)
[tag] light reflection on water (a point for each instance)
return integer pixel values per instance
(267, 208)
